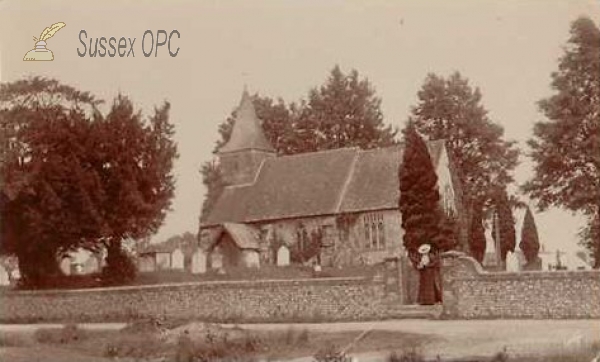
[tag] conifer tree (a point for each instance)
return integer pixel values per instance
(419, 196)
(530, 244)
(505, 229)
(477, 241)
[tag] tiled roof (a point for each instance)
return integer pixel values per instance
(317, 183)
(243, 235)
(374, 181)
(290, 186)
(247, 131)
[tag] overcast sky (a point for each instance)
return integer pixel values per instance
(507, 48)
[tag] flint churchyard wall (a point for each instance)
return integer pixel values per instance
(327, 299)
(470, 292)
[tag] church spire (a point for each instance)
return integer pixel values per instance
(247, 148)
(247, 132)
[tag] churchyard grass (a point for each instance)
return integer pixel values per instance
(268, 272)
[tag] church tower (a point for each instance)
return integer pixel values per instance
(240, 158)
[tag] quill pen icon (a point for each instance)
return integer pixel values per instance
(40, 52)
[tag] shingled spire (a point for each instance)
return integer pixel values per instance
(247, 147)
(247, 133)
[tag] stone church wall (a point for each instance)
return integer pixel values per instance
(343, 237)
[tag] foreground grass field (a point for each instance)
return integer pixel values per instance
(194, 342)
(411, 340)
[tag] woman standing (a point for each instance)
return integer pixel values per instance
(427, 262)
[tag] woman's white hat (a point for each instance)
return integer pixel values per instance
(424, 249)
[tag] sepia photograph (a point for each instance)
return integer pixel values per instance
(300, 180)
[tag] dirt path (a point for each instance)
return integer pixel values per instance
(476, 337)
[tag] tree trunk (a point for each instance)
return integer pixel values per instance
(113, 250)
(37, 267)
(595, 238)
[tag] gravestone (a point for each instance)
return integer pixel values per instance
(177, 259)
(216, 259)
(65, 266)
(512, 262)
(4, 279)
(392, 279)
(251, 258)
(283, 256)
(198, 262)
(15, 274)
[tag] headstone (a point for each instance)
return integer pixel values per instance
(76, 269)
(4, 279)
(198, 262)
(512, 262)
(283, 256)
(15, 274)
(163, 261)
(146, 263)
(65, 266)
(91, 265)
(177, 259)
(251, 258)
(216, 259)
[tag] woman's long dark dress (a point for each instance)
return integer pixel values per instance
(430, 286)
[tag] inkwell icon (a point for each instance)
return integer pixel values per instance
(40, 52)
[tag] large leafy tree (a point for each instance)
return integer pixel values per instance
(134, 159)
(590, 236)
(46, 194)
(566, 147)
(343, 112)
(419, 196)
(530, 244)
(72, 177)
(450, 109)
(504, 224)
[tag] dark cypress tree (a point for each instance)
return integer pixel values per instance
(506, 224)
(419, 196)
(530, 243)
(477, 242)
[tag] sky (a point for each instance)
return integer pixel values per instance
(281, 49)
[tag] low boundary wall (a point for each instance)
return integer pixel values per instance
(327, 299)
(470, 292)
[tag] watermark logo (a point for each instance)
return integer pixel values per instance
(40, 52)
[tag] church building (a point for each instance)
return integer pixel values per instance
(335, 207)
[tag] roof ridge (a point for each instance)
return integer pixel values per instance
(331, 150)
(375, 149)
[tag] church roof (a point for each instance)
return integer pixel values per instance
(247, 131)
(243, 235)
(317, 183)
